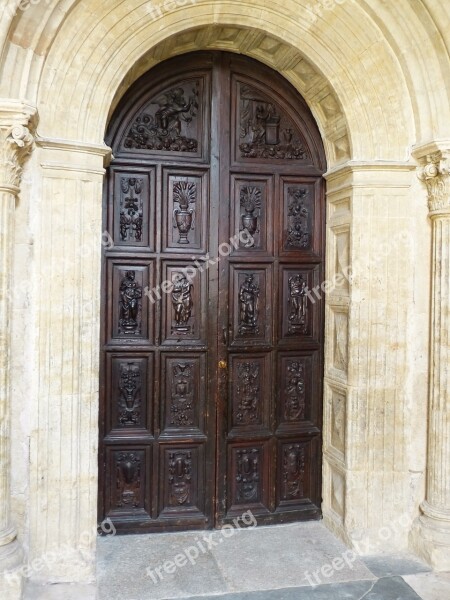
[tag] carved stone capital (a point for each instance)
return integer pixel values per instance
(434, 171)
(17, 128)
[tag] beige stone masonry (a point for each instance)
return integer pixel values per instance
(372, 385)
(431, 534)
(17, 123)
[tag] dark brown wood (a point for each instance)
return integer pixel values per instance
(212, 351)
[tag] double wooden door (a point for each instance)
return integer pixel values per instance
(211, 378)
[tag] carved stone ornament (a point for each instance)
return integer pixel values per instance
(435, 173)
(16, 143)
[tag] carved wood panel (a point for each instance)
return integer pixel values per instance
(182, 469)
(128, 470)
(133, 209)
(250, 393)
(172, 121)
(184, 304)
(211, 372)
(264, 131)
(301, 298)
(185, 211)
(183, 394)
(301, 233)
(251, 290)
(248, 485)
(130, 393)
(130, 314)
(251, 207)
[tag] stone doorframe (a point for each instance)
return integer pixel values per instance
(377, 322)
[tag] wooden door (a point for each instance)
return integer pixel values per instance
(211, 378)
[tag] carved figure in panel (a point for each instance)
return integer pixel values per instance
(162, 129)
(297, 304)
(248, 475)
(293, 471)
(129, 394)
(185, 194)
(247, 393)
(294, 408)
(130, 294)
(180, 477)
(131, 209)
(182, 398)
(182, 303)
(264, 132)
(250, 200)
(128, 479)
(248, 305)
(298, 235)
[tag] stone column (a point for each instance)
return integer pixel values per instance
(17, 121)
(431, 534)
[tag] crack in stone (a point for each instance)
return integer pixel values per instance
(368, 591)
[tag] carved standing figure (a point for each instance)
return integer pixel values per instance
(182, 301)
(249, 305)
(130, 294)
(297, 302)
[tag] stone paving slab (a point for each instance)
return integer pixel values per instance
(393, 588)
(263, 558)
(386, 565)
(430, 586)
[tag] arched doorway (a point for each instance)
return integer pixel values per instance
(212, 341)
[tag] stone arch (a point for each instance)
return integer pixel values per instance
(374, 92)
(73, 63)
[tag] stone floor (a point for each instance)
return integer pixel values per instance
(288, 562)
